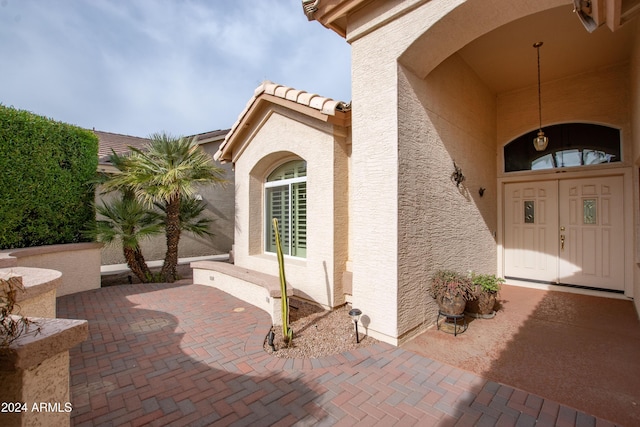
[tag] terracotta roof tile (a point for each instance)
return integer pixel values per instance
(213, 134)
(119, 143)
(108, 141)
(325, 105)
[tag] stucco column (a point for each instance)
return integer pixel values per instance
(34, 373)
(373, 187)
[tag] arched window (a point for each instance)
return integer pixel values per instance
(570, 145)
(286, 200)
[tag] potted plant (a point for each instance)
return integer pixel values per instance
(485, 291)
(451, 291)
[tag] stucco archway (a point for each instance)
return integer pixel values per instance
(469, 20)
(462, 97)
(443, 82)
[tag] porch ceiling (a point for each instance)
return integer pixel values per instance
(505, 58)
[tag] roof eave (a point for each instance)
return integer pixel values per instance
(332, 14)
(225, 152)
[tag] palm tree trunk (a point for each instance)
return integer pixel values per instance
(142, 264)
(134, 265)
(172, 222)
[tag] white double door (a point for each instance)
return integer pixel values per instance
(566, 231)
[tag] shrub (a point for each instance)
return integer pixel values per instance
(47, 167)
(450, 284)
(487, 282)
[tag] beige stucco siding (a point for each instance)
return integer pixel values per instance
(600, 96)
(417, 108)
(635, 132)
(279, 135)
(389, 280)
(449, 116)
(374, 185)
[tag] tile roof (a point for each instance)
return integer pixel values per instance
(202, 137)
(108, 141)
(326, 106)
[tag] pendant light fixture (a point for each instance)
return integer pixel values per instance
(539, 142)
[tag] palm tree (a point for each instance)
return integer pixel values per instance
(166, 172)
(127, 220)
(191, 218)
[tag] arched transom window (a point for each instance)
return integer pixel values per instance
(286, 200)
(570, 145)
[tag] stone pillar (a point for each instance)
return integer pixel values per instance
(34, 369)
(40, 290)
(34, 374)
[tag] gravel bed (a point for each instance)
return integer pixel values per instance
(317, 332)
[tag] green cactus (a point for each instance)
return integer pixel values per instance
(287, 333)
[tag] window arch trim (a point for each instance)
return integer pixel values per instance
(285, 197)
(570, 145)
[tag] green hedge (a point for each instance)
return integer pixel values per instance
(46, 170)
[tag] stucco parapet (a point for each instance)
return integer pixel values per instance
(48, 249)
(267, 281)
(7, 260)
(55, 336)
(36, 281)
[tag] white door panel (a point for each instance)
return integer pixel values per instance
(566, 231)
(592, 223)
(531, 224)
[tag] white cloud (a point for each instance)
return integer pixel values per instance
(145, 66)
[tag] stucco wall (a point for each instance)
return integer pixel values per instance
(635, 133)
(600, 96)
(79, 264)
(404, 95)
(374, 184)
(447, 117)
(420, 40)
(220, 206)
(280, 135)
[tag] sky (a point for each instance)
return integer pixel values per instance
(138, 67)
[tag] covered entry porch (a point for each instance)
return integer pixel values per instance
(573, 348)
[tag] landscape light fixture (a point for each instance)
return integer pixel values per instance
(539, 142)
(355, 316)
(270, 338)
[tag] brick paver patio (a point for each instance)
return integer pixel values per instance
(189, 355)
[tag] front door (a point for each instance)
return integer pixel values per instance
(531, 231)
(566, 231)
(592, 232)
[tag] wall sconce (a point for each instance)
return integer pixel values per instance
(457, 175)
(355, 316)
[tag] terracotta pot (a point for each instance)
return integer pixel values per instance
(483, 304)
(452, 305)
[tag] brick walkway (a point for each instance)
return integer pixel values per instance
(190, 355)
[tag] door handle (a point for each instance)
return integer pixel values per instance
(562, 242)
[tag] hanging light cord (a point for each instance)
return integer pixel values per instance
(537, 46)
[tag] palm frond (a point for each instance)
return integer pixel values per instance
(126, 220)
(191, 217)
